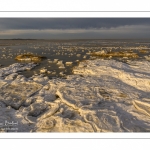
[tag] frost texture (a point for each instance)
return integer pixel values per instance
(102, 96)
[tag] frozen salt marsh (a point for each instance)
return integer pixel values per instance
(101, 96)
(64, 55)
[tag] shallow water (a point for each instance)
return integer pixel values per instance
(66, 51)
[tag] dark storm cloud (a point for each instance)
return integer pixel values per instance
(68, 23)
(74, 28)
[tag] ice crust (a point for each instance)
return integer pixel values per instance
(16, 68)
(101, 96)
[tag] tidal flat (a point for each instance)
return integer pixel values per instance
(79, 86)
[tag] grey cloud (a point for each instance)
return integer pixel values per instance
(74, 28)
(132, 31)
(68, 23)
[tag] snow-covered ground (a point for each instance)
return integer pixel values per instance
(101, 96)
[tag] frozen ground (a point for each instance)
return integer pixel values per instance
(101, 96)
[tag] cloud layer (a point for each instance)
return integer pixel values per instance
(74, 28)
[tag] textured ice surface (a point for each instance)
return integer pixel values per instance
(15, 93)
(15, 68)
(2, 83)
(102, 96)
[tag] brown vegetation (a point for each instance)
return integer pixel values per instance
(115, 54)
(143, 51)
(29, 57)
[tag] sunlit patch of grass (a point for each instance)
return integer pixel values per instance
(143, 51)
(29, 57)
(116, 54)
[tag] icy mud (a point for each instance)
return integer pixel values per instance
(101, 96)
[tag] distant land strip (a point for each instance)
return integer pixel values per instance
(75, 11)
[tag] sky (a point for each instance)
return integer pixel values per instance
(74, 28)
